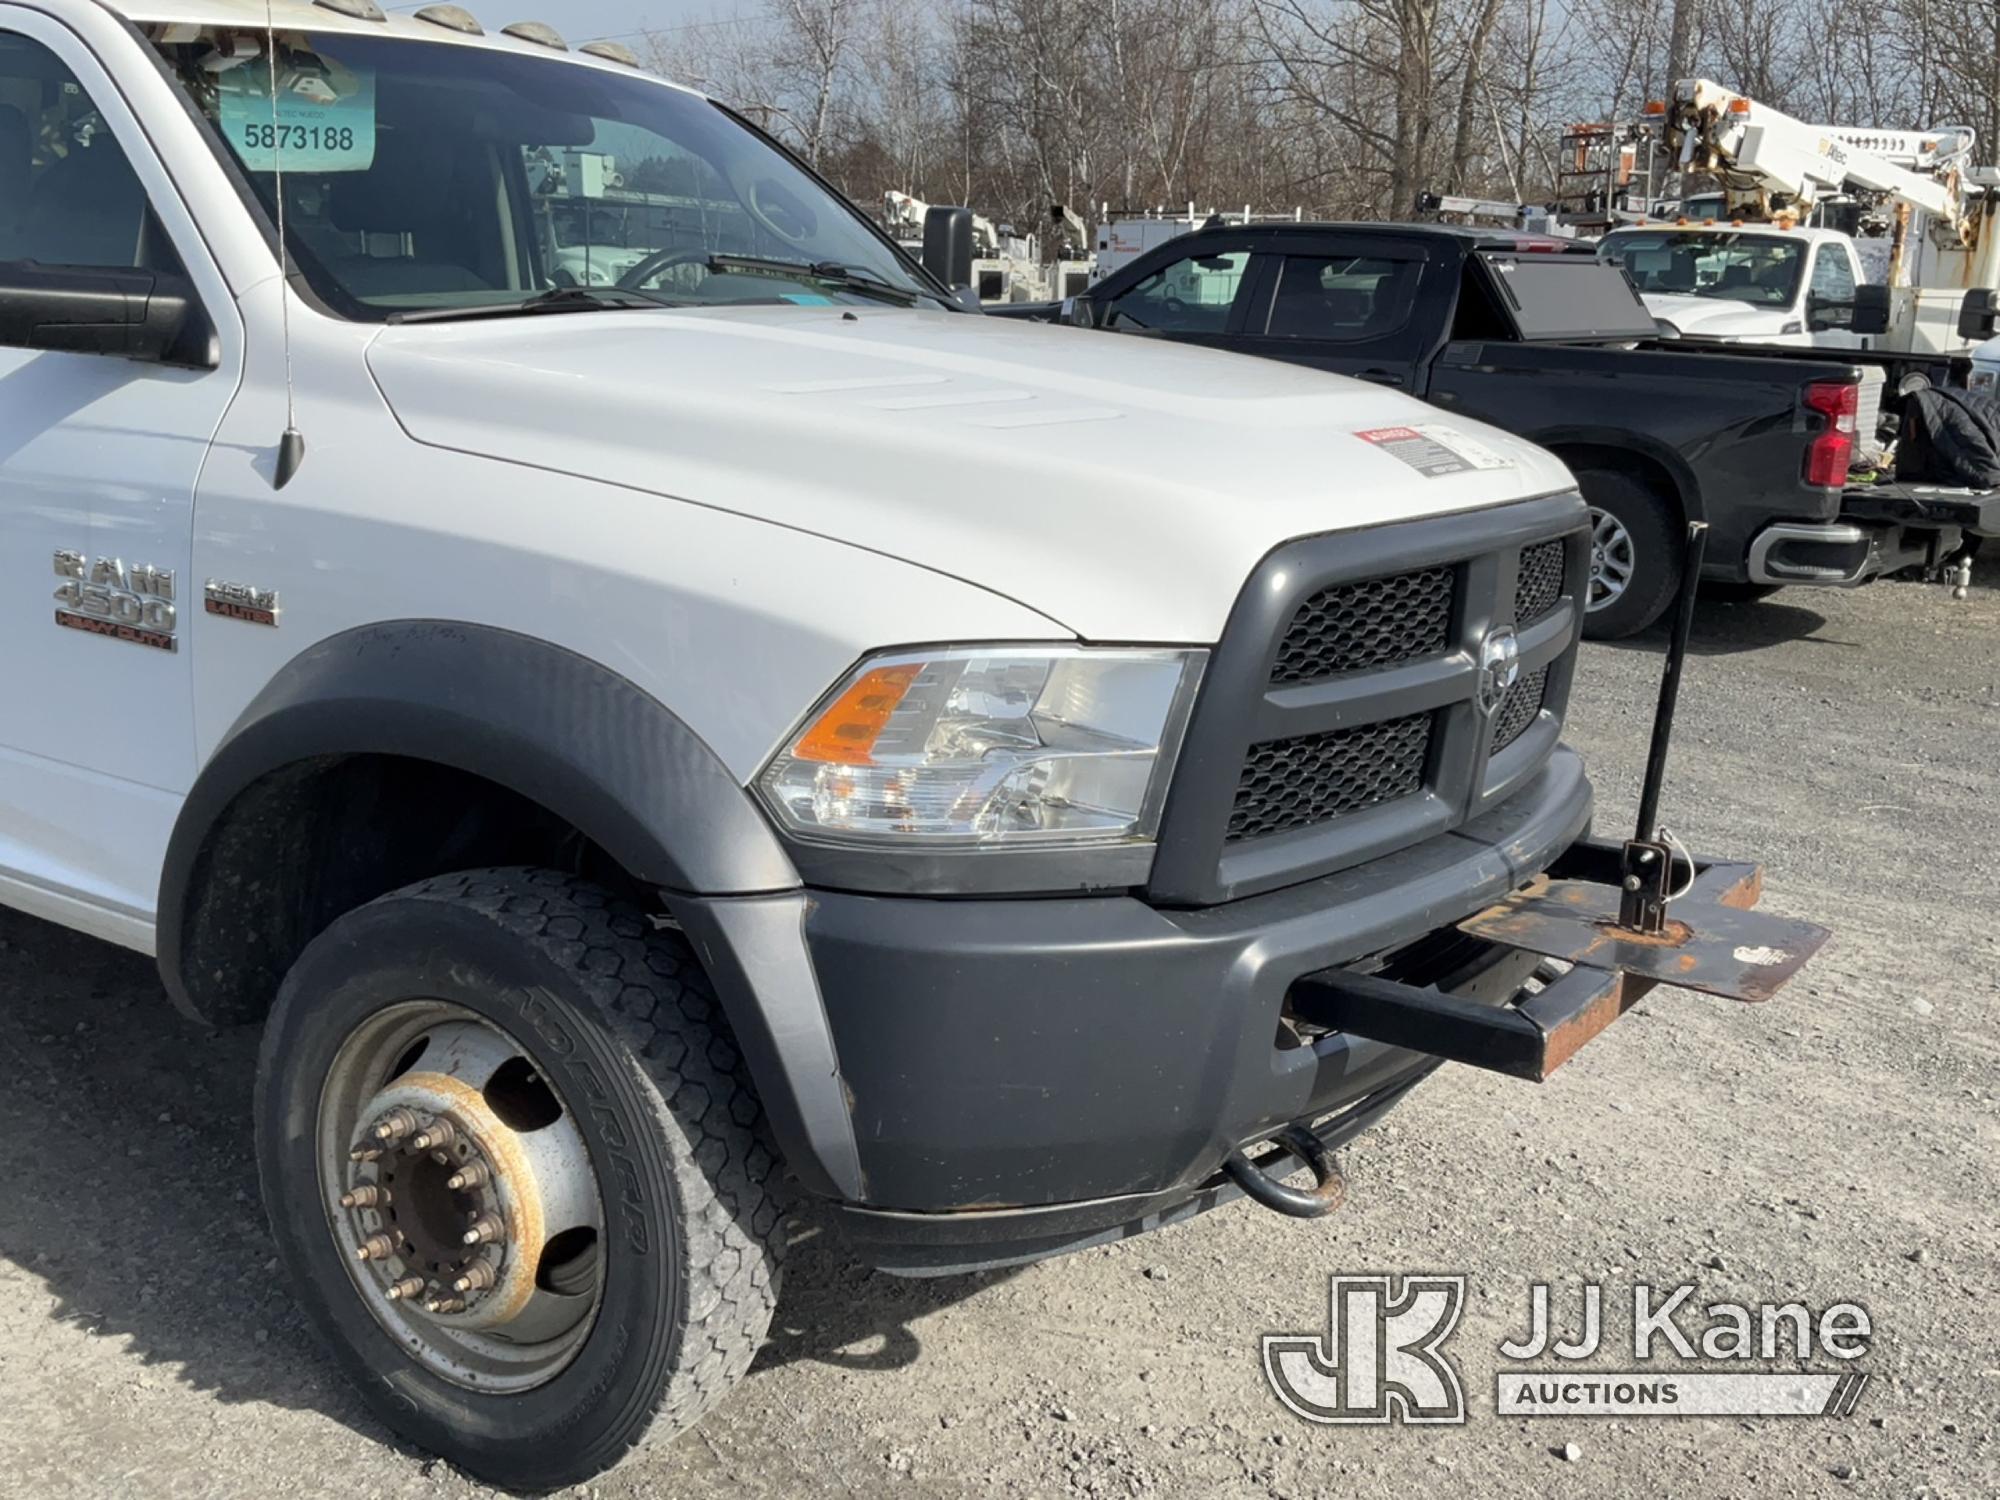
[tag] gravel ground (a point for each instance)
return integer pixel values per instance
(1838, 1144)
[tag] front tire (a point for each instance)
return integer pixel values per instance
(1635, 558)
(520, 1056)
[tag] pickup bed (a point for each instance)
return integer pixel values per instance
(1535, 336)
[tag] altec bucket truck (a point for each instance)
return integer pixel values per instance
(1918, 189)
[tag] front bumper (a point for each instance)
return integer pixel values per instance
(1008, 1070)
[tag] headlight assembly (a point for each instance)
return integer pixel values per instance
(989, 746)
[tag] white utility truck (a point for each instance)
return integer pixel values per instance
(1006, 267)
(754, 737)
(1765, 266)
(1744, 283)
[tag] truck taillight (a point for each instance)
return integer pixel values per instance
(1832, 447)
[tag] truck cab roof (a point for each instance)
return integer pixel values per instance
(432, 23)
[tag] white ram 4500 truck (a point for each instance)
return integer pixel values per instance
(755, 738)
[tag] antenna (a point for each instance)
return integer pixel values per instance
(292, 446)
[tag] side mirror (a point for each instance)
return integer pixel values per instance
(1978, 314)
(1823, 313)
(1871, 310)
(948, 246)
(968, 298)
(1078, 312)
(150, 316)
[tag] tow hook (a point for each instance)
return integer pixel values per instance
(1329, 1189)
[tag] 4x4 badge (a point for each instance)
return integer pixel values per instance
(239, 601)
(105, 597)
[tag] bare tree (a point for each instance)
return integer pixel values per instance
(1343, 108)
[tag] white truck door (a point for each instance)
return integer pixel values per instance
(1830, 298)
(98, 462)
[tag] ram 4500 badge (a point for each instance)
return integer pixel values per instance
(108, 598)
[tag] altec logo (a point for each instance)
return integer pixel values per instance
(1379, 1359)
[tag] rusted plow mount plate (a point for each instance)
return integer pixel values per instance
(1712, 943)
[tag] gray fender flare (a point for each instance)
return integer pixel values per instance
(572, 736)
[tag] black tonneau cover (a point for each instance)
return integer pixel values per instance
(1564, 298)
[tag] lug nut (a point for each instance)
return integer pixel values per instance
(408, 1287)
(478, 1277)
(376, 1247)
(445, 1305)
(365, 1153)
(438, 1135)
(472, 1175)
(369, 1195)
(484, 1230)
(395, 1125)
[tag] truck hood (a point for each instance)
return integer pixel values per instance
(1121, 486)
(1716, 317)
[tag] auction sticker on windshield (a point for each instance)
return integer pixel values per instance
(324, 120)
(1434, 450)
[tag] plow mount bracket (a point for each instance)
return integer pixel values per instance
(1713, 942)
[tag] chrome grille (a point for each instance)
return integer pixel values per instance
(1375, 623)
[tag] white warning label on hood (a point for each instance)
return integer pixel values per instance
(1435, 450)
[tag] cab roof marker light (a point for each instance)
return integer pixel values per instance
(360, 10)
(453, 18)
(611, 52)
(540, 34)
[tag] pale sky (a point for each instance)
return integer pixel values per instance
(588, 20)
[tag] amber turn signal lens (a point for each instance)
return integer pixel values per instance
(846, 733)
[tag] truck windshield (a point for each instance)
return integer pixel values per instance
(433, 177)
(1761, 269)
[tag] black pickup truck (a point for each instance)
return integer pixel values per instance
(1534, 335)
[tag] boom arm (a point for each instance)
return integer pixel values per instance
(1713, 129)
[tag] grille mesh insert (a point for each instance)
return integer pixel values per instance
(1541, 582)
(1375, 623)
(1524, 702)
(1296, 783)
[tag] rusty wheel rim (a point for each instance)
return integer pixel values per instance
(461, 1196)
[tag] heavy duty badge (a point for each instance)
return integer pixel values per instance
(239, 601)
(107, 598)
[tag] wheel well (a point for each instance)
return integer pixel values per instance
(312, 840)
(1638, 467)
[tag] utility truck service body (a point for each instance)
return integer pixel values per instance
(662, 757)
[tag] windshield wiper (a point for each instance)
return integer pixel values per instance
(561, 299)
(831, 273)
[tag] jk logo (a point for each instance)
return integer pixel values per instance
(1378, 1361)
